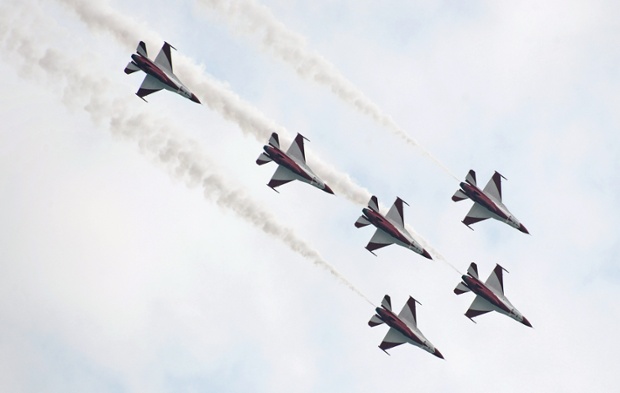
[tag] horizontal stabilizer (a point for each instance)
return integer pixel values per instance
(274, 140)
(387, 302)
(471, 177)
(141, 49)
(375, 321)
(131, 68)
(461, 288)
(373, 204)
(361, 222)
(472, 270)
(263, 159)
(459, 196)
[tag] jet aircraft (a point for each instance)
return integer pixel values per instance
(487, 203)
(403, 327)
(390, 228)
(490, 295)
(159, 73)
(291, 165)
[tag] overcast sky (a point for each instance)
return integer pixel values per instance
(143, 252)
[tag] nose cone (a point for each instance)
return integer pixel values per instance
(523, 229)
(526, 322)
(438, 354)
(195, 99)
(425, 254)
(328, 190)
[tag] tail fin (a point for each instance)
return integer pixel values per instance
(263, 159)
(373, 203)
(471, 177)
(141, 49)
(131, 68)
(274, 140)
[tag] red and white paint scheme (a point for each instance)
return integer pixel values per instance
(159, 73)
(490, 295)
(291, 165)
(403, 327)
(390, 228)
(487, 202)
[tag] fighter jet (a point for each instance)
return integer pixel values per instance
(292, 164)
(390, 228)
(403, 327)
(159, 73)
(490, 295)
(487, 203)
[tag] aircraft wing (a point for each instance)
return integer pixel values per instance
(407, 314)
(494, 187)
(163, 59)
(478, 307)
(296, 150)
(395, 214)
(149, 85)
(495, 282)
(379, 239)
(392, 339)
(476, 214)
(281, 176)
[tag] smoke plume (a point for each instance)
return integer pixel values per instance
(156, 135)
(248, 17)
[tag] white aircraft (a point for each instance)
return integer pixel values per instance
(490, 295)
(487, 203)
(390, 228)
(403, 327)
(159, 73)
(292, 164)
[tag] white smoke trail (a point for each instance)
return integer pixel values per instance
(251, 18)
(155, 134)
(217, 96)
(99, 16)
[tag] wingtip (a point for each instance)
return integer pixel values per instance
(425, 254)
(328, 190)
(438, 354)
(523, 229)
(526, 322)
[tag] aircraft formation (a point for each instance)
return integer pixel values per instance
(390, 227)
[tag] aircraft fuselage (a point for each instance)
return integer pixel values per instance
(386, 226)
(280, 158)
(146, 65)
(479, 197)
(393, 321)
(480, 289)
